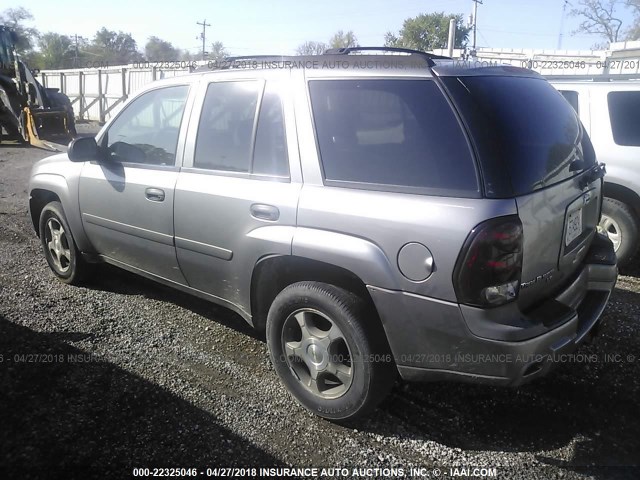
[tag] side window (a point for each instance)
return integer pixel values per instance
(571, 97)
(147, 130)
(270, 152)
(395, 133)
(624, 111)
(225, 132)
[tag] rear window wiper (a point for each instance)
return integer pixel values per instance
(594, 173)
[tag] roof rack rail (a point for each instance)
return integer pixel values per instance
(346, 51)
(596, 77)
(251, 57)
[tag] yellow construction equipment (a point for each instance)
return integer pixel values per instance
(30, 113)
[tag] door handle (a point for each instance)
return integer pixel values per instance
(265, 212)
(154, 194)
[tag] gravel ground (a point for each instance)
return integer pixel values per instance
(127, 373)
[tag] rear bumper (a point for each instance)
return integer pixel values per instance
(436, 340)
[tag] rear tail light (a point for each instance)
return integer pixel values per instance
(489, 267)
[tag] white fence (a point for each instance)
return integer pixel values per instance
(96, 92)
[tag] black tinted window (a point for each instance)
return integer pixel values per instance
(523, 127)
(147, 130)
(624, 110)
(225, 131)
(391, 132)
(571, 97)
(270, 153)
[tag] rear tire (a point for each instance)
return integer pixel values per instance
(620, 223)
(329, 350)
(59, 247)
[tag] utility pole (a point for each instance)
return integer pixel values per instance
(564, 12)
(475, 21)
(203, 36)
(75, 49)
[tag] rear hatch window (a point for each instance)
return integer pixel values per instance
(393, 135)
(522, 126)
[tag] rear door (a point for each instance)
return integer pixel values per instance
(524, 129)
(237, 194)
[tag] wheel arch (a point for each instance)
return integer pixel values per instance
(272, 274)
(38, 198)
(45, 188)
(624, 195)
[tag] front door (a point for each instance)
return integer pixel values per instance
(126, 199)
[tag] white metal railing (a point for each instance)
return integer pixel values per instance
(95, 93)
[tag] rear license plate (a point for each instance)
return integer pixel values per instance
(574, 226)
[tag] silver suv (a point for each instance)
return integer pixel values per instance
(375, 214)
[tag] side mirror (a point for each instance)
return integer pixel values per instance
(83, 149)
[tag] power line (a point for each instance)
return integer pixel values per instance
(483, 38)
(203, 36)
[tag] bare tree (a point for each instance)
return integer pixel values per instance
(599, 17)
(633, 33)
(635, 5)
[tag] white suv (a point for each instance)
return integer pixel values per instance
(610, 112)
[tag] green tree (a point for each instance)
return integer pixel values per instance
(429, 31)
(343, 40)
(158, 50)
(218, 52)
(187, 56)
(116, 48)
(311, 48)
(56, 51)
(15, 18)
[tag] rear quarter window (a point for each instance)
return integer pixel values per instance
(624, 111)
(396, 135)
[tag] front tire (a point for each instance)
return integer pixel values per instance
(59, 247)
(619, 222)
(329, 350)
